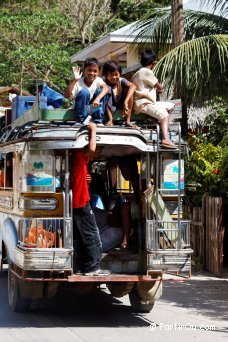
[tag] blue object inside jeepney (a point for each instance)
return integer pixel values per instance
(96, 201)
(54, 99)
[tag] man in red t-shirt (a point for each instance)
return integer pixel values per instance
(87, 242)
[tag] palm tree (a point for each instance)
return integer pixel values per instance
(198, 67)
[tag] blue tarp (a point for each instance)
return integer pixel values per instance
(54, 98)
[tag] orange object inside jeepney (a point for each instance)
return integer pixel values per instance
(40, 237)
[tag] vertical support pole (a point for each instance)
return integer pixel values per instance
(68, 231)
(157, 184)
(66, 184)
(148, 186)
(179, 184)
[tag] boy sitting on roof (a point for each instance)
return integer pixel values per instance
(145, 96)
(88, 89)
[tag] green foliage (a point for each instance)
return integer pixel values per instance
(33, 43)
(37, 40)
(130, 11)
(205, 159)
(218, 132)
(207, 166)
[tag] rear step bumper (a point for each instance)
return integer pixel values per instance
(109, 278)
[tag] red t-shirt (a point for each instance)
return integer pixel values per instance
(78, 178)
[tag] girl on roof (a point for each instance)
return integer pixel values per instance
(120, 93)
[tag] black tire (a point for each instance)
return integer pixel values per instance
(16, 302)
(138, 304)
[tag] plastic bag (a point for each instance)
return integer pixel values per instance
(54, 98)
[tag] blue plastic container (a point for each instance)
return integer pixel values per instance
(21, 104)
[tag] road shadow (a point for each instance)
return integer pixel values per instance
(67, 308)
(203, 293)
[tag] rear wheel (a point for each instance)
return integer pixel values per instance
(138, 304)
(16, 301)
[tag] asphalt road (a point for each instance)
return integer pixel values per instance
(193, 310)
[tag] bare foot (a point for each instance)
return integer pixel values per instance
(130, 125)
(124, 245)
(109, 123)
(168, 143)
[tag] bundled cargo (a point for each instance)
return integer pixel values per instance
(39, 237)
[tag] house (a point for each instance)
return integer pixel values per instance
(121, 45)
(13, 89)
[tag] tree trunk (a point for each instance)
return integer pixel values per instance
(178, 39)
(21, 77)
(177, 22)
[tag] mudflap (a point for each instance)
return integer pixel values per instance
(144, 294)
(149, 291)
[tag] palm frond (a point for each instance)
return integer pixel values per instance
(198, 24)
(215, 4)
(155, 28)
(197, 68)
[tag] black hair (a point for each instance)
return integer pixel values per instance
(111, 66)
(91, 61)
(147, 57)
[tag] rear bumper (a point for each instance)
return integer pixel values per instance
(55, 265)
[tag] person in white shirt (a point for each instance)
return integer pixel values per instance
(145, 101)
(88, 89)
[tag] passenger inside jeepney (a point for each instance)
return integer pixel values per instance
(111, 226)
(115, 220)
(114, 226)
(98, 188)
(2, 174)
(6, 172)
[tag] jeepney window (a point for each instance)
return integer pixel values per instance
(6, 171)
(38, 171)
(59, 171)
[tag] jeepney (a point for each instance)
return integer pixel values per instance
(36, 230)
